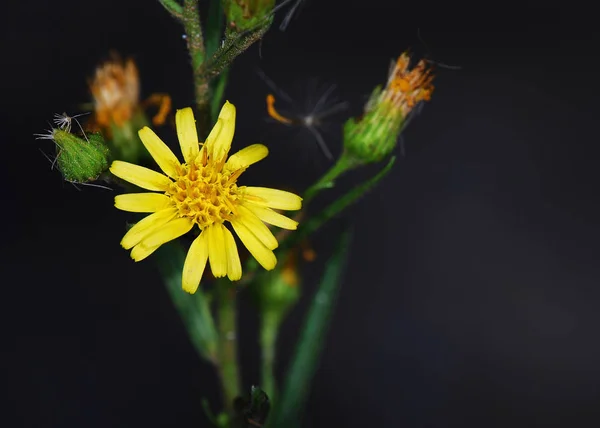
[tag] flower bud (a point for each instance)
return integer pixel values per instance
(80, 160)
(373, 136)
(279, 290)
(245, 15)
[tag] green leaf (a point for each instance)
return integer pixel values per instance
(288, 409)
(194, 309)
(218, 89)
(214, 27)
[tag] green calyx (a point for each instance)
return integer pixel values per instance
(372, 137)
(124, 143)
(80, 159)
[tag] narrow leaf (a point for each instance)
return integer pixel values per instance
(288, 409)
(218, 88)
(214, 27)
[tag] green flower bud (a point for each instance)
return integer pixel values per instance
(373, 136)
(276, 292)
(245, 15)
(80, 160)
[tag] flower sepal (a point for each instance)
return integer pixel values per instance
(124, 140)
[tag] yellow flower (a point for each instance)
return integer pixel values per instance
(202, 191)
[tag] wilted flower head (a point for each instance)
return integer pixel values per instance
(373, 136)
(118, 112)
(116, 91)
(203, 191)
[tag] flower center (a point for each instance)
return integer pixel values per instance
(204, 193)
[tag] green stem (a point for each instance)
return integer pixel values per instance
(227, 361)
(343, 164)
(268, 339)
(195, 43)
(234, 45)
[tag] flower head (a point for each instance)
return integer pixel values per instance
(373, 136)
(116, 92)
(203, 191)
(118, 112)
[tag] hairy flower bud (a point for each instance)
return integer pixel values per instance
(80, 160)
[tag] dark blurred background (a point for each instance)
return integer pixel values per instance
(471, 297)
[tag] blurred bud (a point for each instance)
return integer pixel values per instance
(245, 15)
(279, 289)
(118, 113)
(80, 160)
(373, 136)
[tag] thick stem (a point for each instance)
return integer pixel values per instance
(227, 362)
(268, 339)
(195, 42)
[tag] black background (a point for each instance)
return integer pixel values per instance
(471, 298)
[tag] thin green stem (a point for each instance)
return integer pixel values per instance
(234, 45)
(195, 43)
(343, 164)
(268, 339)
(227, 365)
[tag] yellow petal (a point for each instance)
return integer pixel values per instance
(172, 230)
(246, 157)
(234, 266)
(187, 133)
(146, 226)
(142, 202)
(140, 252)
(219, 140)
(140, 176)
(262, 254)
(258, 228)
(161, 153)
(216, 250)
(269, 216)
(272, 198)
(195, 263)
